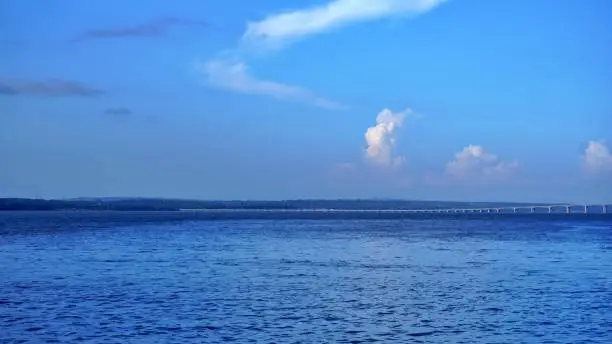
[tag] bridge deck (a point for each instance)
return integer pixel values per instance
(540, 209)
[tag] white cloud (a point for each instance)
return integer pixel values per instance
(475, 164)
(380, 138)
(280, 28)
(597, 157)
(277, 29)
(234, 75)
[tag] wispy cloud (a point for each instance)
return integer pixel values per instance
(380, 138)
(597, 158)
(234, 75)
(118, 111)
(278, 29)
(153, 28)
(52, 87)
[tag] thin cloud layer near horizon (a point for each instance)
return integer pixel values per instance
(413, 99)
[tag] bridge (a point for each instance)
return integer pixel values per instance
(517, 209)
(548, 209)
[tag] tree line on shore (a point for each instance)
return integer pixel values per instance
(160, 204)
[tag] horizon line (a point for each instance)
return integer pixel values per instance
(378, 199)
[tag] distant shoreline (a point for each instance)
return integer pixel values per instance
(154, 204)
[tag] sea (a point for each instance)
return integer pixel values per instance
(304, 277)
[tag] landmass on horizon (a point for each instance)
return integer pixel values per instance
(163, 204)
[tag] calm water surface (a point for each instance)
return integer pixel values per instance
(202, 278)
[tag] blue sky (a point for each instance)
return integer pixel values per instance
(448, 100)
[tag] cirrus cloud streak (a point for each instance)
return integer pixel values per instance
(51, 87)
(277, 29)
(235, 76)
(152, 28)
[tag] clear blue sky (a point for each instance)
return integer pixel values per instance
(187, 99)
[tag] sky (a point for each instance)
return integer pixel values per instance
(410, 99)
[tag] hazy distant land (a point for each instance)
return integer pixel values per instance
(160, 204)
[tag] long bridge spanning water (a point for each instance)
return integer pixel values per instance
(548, 209)
(516, 209)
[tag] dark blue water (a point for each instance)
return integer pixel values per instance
(307, 278)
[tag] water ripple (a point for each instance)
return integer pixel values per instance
(120, 279)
